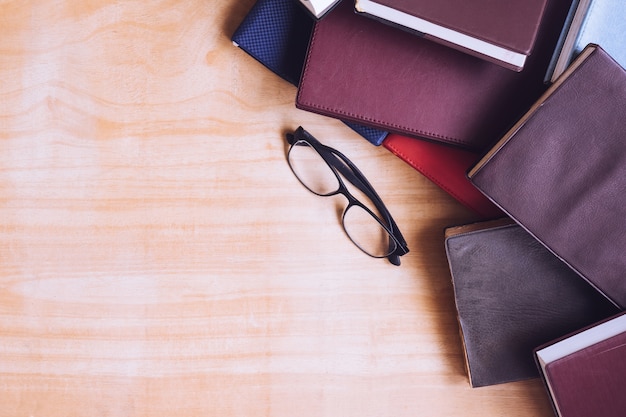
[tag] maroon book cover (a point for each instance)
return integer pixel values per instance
(560, 172)
(364, 71)
(590, 381)
(501, 31)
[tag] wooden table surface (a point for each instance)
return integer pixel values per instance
(158, 257)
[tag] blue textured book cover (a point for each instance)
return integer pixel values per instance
(276, 33)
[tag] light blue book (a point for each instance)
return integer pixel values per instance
(602, 22)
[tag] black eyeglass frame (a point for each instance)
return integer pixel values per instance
(340, 164)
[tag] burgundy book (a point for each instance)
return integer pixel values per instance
(445, 166)
(585, 372)
(560, 172)
(361, 70)
(502, 31)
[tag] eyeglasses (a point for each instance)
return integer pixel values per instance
(320, 169)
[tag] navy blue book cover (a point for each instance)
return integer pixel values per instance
(276, 33)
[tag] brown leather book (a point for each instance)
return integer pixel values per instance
(585, 372)
(502, 31)
(513, 295)
(560, 172)
(360, 70)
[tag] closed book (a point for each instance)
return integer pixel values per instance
(585, 372)
(560, 172)
(445, 166)
(513, 295)
(361, 70)
(602, 22)
(502, 31)
(276, 33)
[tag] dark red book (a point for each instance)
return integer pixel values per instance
(585, 372)
(367, 72)
(445, 166)
(560, 172)
(502, 31)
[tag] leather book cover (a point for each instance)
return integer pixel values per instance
(445, 166)
(361, 70)
(276, 33)
(585, 372)
(513, 295)
(503, 31)
(560, 172)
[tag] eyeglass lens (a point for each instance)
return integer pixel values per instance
(311, 169)
(366, 232)
(361, 227)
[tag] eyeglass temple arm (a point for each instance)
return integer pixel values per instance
(335, 161)
(367, 189)
(341, 163)
(352, 173)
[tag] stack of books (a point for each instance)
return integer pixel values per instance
(516, 108)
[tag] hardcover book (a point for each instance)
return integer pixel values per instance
(585, 372)
(360, 70)
(560, 172)
(602, 22)
(446, 166)
(276, 33)
(503, 31)
(513, 295)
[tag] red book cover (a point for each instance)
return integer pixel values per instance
(445, 166)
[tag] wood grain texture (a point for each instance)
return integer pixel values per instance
(158, 258)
